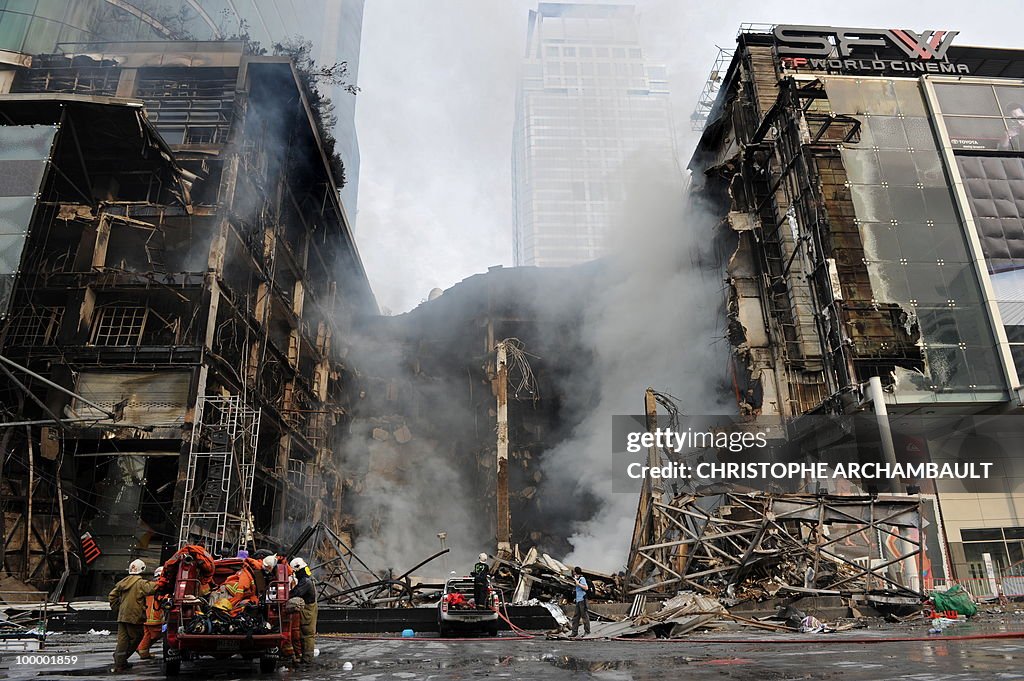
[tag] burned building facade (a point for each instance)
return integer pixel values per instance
(179, 279)
(333, 30)
(870, 184)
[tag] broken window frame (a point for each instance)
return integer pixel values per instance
(34, 326)
(130, 331)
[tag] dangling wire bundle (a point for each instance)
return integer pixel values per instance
(518, 361)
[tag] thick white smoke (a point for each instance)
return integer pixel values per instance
(410, 477)
(655, 320)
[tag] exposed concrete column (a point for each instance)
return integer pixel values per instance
(126, 83)
(501, 470)
(86, 312)
(653, 460)
(657, 524)
(651, 491)
(99, 252)
(876, 396)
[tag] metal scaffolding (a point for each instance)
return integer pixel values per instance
(219, 477)
(709, 93)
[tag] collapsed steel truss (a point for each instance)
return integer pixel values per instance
(736, 544)
(339, 571)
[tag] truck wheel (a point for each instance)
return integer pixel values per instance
(172, 667)
(492, 630)
(268, 665)
(443, 631)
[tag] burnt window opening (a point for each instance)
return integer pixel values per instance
(808, 390)
(296, 407)
(190, 106)
(317, 428)
(55, 73)
(120, 325)
(135, 248)
(162, 330)
(56, 245)
(34, 326)
(297, 472)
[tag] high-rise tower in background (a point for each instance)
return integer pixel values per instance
(30, 27)
(588, 104)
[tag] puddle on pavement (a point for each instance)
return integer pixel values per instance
(566, 662)
(576, 664)
(91, 672)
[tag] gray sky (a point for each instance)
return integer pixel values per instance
(435, 114)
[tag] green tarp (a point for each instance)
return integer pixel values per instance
(954, 598)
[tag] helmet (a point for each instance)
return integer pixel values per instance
(136, 567)
(483, 557)
(297, 564)
(269, 563)
(159, 571)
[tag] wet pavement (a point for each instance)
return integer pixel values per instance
(788, 656)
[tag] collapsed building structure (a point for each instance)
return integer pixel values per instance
(742, 547)
(429, 420)
(867, 184)
(179, 279)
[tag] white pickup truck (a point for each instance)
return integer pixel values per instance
(458, 611)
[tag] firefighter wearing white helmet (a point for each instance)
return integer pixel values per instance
(128, 599)
(305, 589)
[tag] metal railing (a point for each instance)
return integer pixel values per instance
(754, 27)
(709, 93)
(981, 587)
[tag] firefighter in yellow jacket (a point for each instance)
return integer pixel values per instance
(154, 625)
(128, 599)
(305, 589)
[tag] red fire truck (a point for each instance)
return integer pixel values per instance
(194, 629)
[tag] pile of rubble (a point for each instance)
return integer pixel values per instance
(346, 580)
(689, 612)
(539, 576)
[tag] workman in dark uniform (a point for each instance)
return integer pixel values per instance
(480, 571)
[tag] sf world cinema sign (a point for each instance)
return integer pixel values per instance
(831, 47)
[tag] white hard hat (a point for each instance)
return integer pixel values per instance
(297, 564)
(136, 567)
(159, 571)
(270, 562)
(483, 557)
